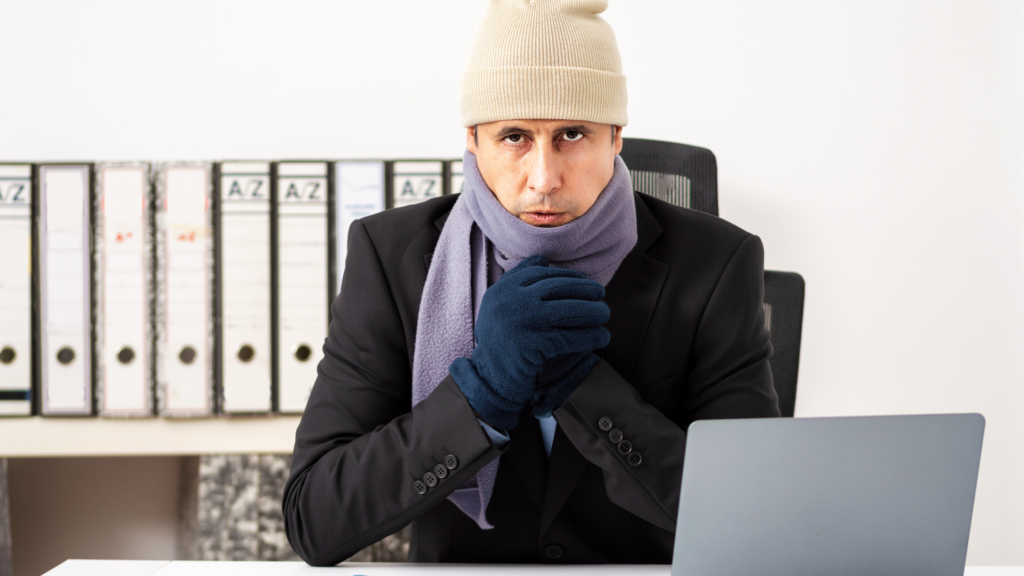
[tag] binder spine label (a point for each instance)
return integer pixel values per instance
(245, 221)
(16, 290)
(301, 279)
(184, 288)
(417, 181)
(65, 285)
(122, 257)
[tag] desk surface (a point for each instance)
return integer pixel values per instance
(178, 568)
(181, 568)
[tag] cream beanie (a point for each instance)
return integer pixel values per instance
(544, 59)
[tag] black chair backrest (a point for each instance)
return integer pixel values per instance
(784, 316)
(687, 176)
(680, 174)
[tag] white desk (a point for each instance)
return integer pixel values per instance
(181, 568)
(164, 568)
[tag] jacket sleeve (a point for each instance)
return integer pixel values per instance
(729, 378)
(361, 449)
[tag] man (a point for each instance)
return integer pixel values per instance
(513, 370)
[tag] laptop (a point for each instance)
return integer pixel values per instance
(887, 495)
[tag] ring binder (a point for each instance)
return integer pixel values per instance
(414, 181)
(360, 191)
(65, 289)
(123, 259)
(16, 374)
(184, 290)
(456, 179)
(301, 266)
(243, 221)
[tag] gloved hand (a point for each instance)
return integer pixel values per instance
(531, 314)
(559, 378)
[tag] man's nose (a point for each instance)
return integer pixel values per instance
(546, 169)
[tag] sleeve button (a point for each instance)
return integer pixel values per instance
(451, 462)
(419, 487)
(605, 424)
(634, 459)
(625, 447)
(440, 471)
(615, 436)
(429, 479)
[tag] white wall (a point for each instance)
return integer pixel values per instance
(877, 147)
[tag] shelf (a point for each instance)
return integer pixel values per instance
(50, 437)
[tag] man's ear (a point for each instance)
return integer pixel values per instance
(471, 139)
(617, 139)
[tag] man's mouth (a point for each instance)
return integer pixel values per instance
(542, 218)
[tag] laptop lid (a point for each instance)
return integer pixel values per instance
(839, 496)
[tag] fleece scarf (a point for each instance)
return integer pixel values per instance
(480, 240)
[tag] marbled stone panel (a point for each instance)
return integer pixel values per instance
(228, 516)
(273, 545)
(230, 509)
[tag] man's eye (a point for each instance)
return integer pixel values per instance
(572, 135)
(514, 138)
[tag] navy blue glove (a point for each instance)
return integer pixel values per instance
(531, 314)
(560, 376)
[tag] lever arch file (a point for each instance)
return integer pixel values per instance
(301, 278)
(415, 181)
(123, 259)
(65, 289)
(16, 289)
(184, 289)
(243, 248)
(359, 192)
(456, 179)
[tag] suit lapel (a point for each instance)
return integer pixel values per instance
(633, 294)
(439, 223)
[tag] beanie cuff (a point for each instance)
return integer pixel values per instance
(543, 93)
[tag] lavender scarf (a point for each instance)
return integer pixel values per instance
(463, 266)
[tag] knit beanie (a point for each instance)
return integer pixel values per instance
(544, 59)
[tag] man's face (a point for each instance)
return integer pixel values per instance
(545, 172)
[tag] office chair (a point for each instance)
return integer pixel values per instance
(679, 174)
(687, 176)
(784, 315)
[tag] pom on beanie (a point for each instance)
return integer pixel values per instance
(544, 59)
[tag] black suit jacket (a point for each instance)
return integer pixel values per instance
(688, 342)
